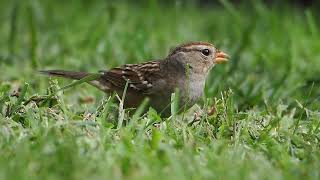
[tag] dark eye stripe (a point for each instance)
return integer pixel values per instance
(187, 50)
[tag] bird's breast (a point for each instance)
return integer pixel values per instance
(193, 89)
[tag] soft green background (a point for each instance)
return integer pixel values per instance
(267, 118)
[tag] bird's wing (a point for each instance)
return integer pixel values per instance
(138, 76)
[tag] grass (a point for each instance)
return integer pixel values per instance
(266, 123)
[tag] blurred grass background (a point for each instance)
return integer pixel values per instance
(267, 128)
(274, 49)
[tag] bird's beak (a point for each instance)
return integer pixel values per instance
(221, 57)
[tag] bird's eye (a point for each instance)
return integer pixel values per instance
(205, 52)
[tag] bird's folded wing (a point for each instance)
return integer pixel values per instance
(138, 76)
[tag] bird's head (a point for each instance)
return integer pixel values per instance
(200, 57)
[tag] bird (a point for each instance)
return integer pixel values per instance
(183, 70)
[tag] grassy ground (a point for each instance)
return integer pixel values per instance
(266, 123)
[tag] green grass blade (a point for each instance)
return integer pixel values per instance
(86, 79)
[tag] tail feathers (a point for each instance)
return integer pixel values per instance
(99, 83)
(66, 74)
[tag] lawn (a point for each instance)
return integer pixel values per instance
(266, 122)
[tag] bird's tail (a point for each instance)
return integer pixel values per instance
(65, 74)
(99, 82)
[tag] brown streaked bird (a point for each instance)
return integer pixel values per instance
(184, 69)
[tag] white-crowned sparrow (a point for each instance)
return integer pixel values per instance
(184, 69)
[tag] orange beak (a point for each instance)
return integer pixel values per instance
(221, 57)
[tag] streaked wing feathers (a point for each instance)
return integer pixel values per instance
(138, 76)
